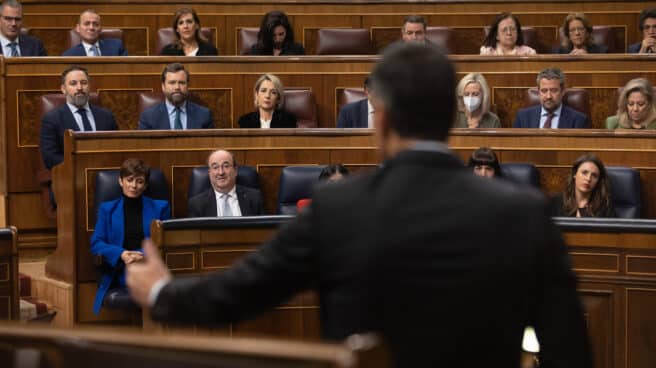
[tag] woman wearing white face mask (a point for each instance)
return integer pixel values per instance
(474, 104)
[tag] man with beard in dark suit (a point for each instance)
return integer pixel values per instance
(77, 114)
(449, 268)
(225, 198)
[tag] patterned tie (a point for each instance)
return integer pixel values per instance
(94, 51)
(14, 49)
(227, 211)
(178, 121)
(547, 123)
(85, 120)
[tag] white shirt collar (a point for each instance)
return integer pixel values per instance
(5, 41)
(556, 112)
(232, 192)
(75, 108)
(171, 108)
(87, 46)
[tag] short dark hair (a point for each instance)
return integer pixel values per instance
(414, 19)
(90, 11)
(551, 74)
(330, 170)
(134, 167)
(417, 84)
(270, 21)
(647, 13)
(174, 68)
(487, 157)
(72, 68)
(491, 38)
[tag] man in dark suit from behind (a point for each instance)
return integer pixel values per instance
(225, 198)
(176, 112)
(394, 252)
(13, 42)
(358, 114)
(551, 113)
(89, 27)
(76, 114)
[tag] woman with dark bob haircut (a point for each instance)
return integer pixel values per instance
(588, 191)
(188, 40)
(485, 163)
(505, 38)
(122, 224)
(334, 172)
(276, 36)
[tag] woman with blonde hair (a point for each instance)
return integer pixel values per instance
(269, 100)
(577, 37)
(473, 96)
(635, 108)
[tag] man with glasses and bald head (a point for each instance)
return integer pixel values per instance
(14, 43)
(225, 198)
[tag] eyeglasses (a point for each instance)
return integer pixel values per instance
(577, 29)
(508, 30)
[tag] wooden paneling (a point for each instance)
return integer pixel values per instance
(9, 294)
(640, 327)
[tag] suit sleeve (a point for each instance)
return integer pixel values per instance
(194, 208)
(51, 152)
(144, 123)
(558, 307)
(258, 281)
(41, 50)
(122, 51)
(518, 121)
(100, 243)
(342, 119)
(209, 121)
(582, 121)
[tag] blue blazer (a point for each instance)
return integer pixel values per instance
(108, 47)
(569, 118)
(55, 122)
(354, 115)
(107, 239)
(29, 46)
(157, 117)
(634, 48)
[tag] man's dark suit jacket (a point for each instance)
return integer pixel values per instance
(448, 267)
(55, 122)
(569, 118)
(354, 115)
(29, 46)
(204, 204)
(280, 119)
(157, 117)
(108, 47)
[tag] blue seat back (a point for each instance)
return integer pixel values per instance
(107, 187)
(296, 182)
(625, 191)
(521, 173)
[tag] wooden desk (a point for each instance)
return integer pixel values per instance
(9, 294)
(76, 348)
(194, 246)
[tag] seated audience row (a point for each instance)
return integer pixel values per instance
(276, 36)
(587, 192)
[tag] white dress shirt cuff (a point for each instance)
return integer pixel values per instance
(154, 291)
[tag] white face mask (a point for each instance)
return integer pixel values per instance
(471, 102)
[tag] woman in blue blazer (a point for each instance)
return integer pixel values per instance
(122, 224)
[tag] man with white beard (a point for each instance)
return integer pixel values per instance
(76, 114)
